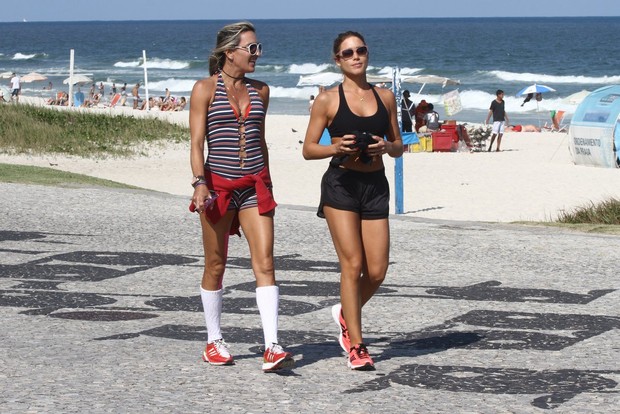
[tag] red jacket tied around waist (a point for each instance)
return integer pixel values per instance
(224, 187)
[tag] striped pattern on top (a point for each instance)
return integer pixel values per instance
(223, 134)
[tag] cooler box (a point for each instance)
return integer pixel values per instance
(415, 147)
(451, 128)
(426, 141)
(442, 141)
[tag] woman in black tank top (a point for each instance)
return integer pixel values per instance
(362, 123)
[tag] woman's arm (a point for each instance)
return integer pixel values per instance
(320, 116)
(201, 97)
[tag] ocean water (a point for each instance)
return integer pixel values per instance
(484, 54)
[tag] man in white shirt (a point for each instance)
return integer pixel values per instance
(15, 87)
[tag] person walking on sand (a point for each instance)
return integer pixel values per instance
(354, 190)
(16, 87)
(500, 118)
(232, 188)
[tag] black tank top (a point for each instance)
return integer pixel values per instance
(346, 122)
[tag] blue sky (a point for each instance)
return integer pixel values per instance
(72, 10)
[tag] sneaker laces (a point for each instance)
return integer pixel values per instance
(362, 351)
(222, 347)
(276, 348)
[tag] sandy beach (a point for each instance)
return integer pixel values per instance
(533, 178)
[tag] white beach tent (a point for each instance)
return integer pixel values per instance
(594, 133)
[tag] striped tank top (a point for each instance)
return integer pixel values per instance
(224, 131)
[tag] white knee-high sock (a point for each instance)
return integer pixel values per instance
(212, 306)
(267, 299)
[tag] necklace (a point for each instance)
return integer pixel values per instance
(232, 77)
(361, 97)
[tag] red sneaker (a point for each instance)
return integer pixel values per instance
(343, 336)
(275, 358)
(216, 353)
(359, 359)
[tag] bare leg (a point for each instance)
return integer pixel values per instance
(215, 244)
(499, 140)
(362, 247)
(376, 241)
(258, 230)
(492, 140)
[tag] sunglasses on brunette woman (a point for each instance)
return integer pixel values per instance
(348, 53)
(253, 48)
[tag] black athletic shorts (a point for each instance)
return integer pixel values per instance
(366, 193)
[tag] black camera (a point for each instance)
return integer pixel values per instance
(362, 140)
(361, 143)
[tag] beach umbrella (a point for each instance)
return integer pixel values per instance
(33, 77)
(426, 79)
(434, 79)
(78, 79)
(576, 98)
(535, 88)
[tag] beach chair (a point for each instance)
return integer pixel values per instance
(556, 122)
(115, 100)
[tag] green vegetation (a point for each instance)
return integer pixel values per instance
(23, 174)
(603, 217)
(606, 212)
(26, 129)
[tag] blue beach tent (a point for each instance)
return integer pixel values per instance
(594, 131)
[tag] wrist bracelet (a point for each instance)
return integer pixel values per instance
(198, 179)
(196, 184)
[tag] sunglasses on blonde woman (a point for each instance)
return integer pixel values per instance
(348, 53)
(253, 48)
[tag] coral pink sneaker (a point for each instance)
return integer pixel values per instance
(275, 358)
(216, 353)
(359, 359)
(343, 336)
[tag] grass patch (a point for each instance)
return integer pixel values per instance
(22, 174)
(603, 217)
(605, 212)
(27, 129)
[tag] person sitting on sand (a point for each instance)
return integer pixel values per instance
(431, 118)
(94, 101)
(181, 104)
(168, 104)
(62, 99)
(523, 128)
(151, 102)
